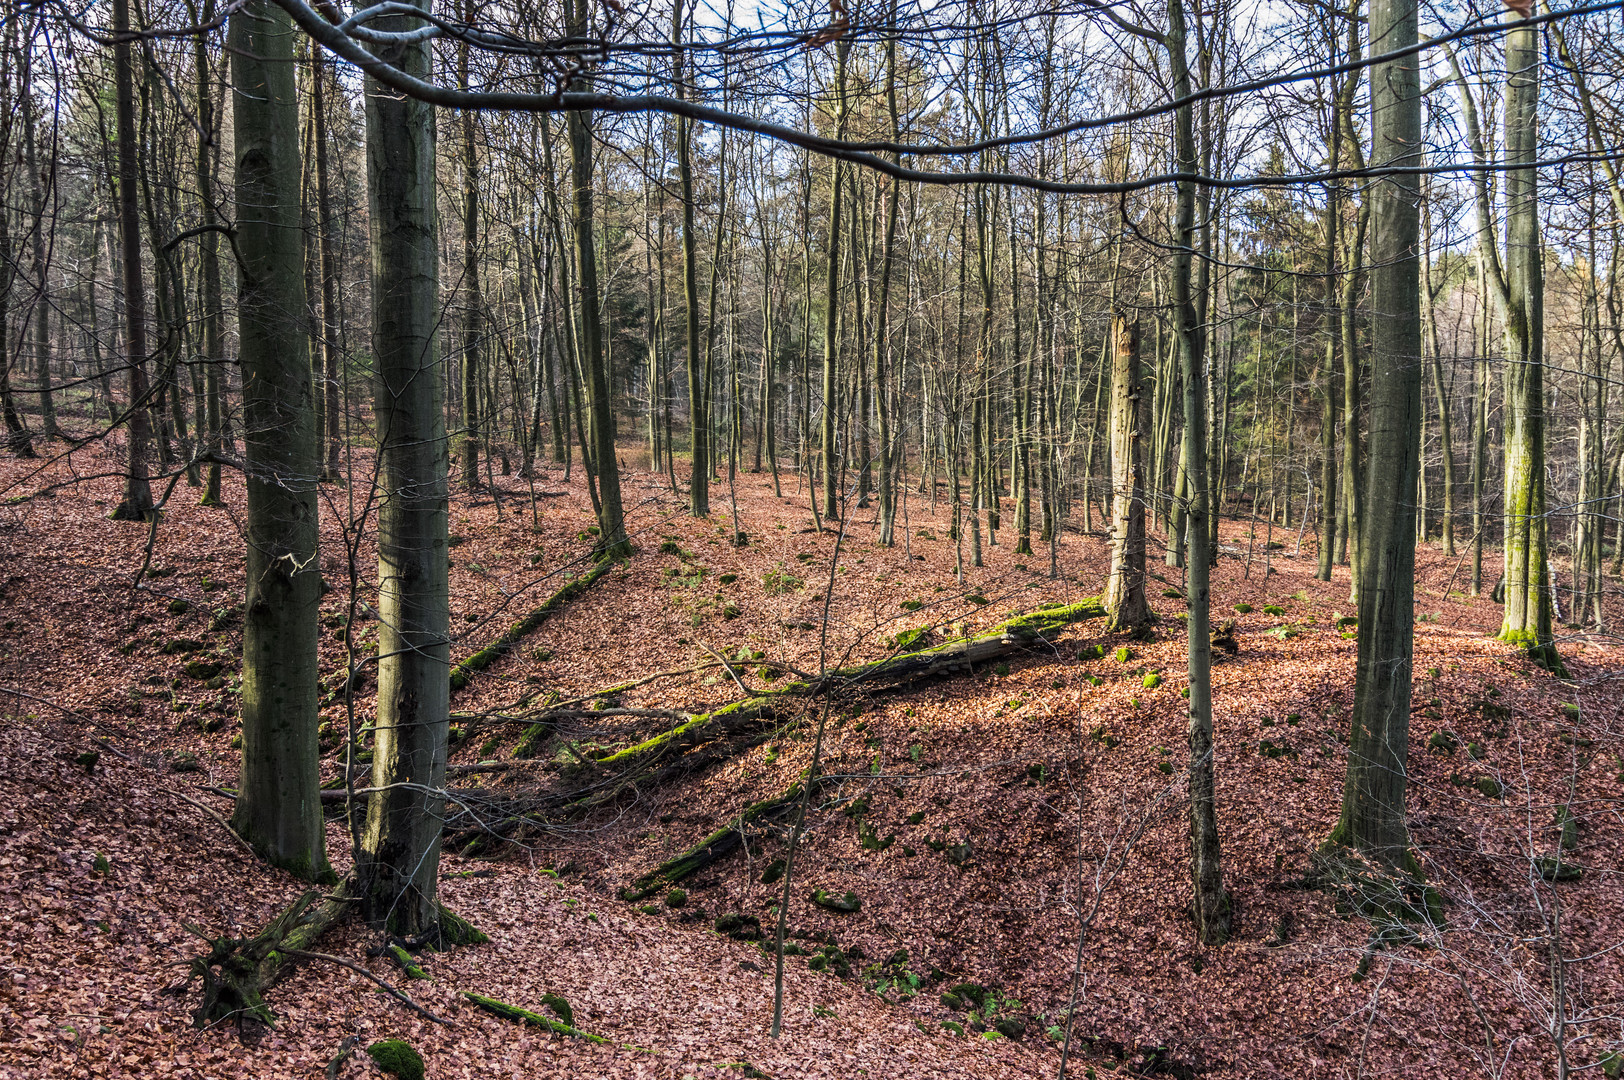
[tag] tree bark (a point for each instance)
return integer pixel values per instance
(1124, 595)
(612, 542)
(397, 860)
(1212, 906)
(1372, 818)
(136, 504)
(1528, 602)
(279, 806)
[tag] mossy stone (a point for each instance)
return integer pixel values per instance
(739, 927)
(676, 898)
(1556, 869)
(1010, 1027)
(397, 1058)
(843, 904)
(1443, 742)
(1152, 681)
(87, 760)
(202, 670)
(1124, 654)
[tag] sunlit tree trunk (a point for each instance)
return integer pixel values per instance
(1124, 599)
(1528, 603)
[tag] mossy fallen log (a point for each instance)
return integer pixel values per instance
(484, 658)
(728, 720)
(964, 652)
(959, 653)
(713, 847)
(525, 1016)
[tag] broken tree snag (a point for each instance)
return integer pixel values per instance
(484, 658)
(236, 972)
(525, 1016)
(713, 847)
(1125, 587)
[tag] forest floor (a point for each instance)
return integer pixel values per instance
(977, 816)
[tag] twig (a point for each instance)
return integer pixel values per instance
(235, 835)
(398, 995)
(98, 725)
(727, 667)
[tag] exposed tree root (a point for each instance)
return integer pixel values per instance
(237, 971)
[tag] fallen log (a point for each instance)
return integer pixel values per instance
(959, 654)
(525, 1016)
(672, 752)
(713, 847)
(484, 658)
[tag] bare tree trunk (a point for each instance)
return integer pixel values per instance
(208, 259)
(136, 504)
(1528, 600)
(398, 858)
(600, 432)
(1212, 905)
(332, 384)
(279, 805)
(1372, 818)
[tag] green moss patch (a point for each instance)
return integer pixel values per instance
(397, 1058)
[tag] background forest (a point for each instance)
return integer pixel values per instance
(982, 539)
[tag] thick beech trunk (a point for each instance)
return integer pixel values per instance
(279, 808)
(398, 860)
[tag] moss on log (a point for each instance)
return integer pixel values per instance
(1007, 637)
(484, 658)
(525, 1016)
(713, 847)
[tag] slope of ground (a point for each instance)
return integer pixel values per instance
(978, 818)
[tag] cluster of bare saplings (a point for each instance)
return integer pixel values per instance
(1118, 266)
